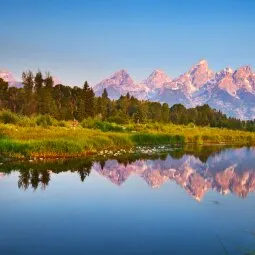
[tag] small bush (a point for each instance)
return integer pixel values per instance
(27, 122)
(8, 117)
(107, 126)
(102, 125)
(117, 119)
(88, 123)
(191, 125)
(61, 123)
(44, 121)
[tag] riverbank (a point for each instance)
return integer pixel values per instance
(67, 141)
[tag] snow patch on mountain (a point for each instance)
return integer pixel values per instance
(232, 92)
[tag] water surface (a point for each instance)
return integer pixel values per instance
(192, 201)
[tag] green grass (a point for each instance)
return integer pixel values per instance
(156, 139)
(46, 137)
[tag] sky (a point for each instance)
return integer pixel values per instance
(82, 40)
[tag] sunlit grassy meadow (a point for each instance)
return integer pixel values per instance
(43, 136)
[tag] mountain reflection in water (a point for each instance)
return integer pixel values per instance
(227, 170)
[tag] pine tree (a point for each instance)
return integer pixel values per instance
(106, 107)
(14, 99)
(39, 92)
(3, 93)
(105, 94)
(28, 97)
(48, 104)
(165, 113)
(89, 96)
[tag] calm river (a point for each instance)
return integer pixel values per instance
(195, 201)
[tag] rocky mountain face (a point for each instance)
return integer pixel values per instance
(232, 92)
(120, 83)
(224, 172)
(156, 80)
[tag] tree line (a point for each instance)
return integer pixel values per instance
(39, 96)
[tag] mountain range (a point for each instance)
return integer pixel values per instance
(231, 91)
(226, 171)
(231, 171)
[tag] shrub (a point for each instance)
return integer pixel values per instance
(44, 120)
(7, 117)
(118, 119)
(191, 125)
(107, 126)
(61, 123)
(102, 125)
(88, 123)
(27, 122)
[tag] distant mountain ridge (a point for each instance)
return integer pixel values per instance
(232, 92)
(221, 172)
(8, 77)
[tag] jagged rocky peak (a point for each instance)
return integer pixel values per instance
(244, 78)
(200, 74)
(243, 73)
(224, 80)
(228, 70)
(120, 77)
(119, 83)
(223, 73)
(156, 79)
(233, 81)
(195, 78)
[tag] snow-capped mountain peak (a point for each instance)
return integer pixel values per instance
(243, 73)
(157, 79)
(224, 72)
(120, 83)
(200, 74)
(194, 79)
(233, 81)
(228, 70)
(231, 91)
(120, 77)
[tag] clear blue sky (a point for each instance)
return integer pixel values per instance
(78, 40)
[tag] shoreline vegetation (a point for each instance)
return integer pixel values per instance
(47, 120)
(42, 136)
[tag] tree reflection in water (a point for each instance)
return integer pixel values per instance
(197, 171)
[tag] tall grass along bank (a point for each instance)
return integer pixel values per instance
(47, 137)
